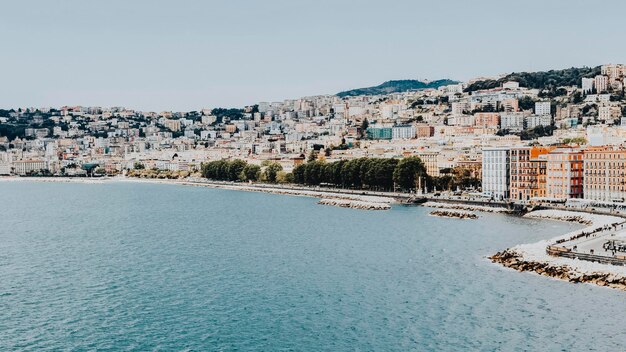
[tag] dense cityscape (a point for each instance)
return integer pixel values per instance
(312, 176)
(522, 136)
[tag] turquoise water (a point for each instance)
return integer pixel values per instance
(124, 266)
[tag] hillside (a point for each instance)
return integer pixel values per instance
(540, 80)
(395, 87)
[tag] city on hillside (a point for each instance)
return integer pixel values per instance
(551, 136)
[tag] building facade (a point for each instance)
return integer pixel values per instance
(496, 172)
(605, 174)
(564, 171)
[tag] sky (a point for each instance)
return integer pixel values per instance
(187, 55)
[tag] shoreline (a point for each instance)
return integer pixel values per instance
(533, 257)
(346, 195)
(530, 257)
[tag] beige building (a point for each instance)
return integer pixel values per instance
(564, 173)
(605, 174)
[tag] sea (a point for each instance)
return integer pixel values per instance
(123, 266)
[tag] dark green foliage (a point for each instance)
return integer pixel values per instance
(362, 173)
(407, 172)
(270, 172)
(231, 114)
(251, 172)
(526, 103)
(549, 80)
(395, 87)
(223, 170)
(12, 131)
(539, 131)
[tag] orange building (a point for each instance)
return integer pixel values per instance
(605, 174)
(424, 131)
(564, 173)
(528, 172)
(487, 119)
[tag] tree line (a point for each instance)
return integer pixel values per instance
(239, 170)
(364, 173)
(377, 174)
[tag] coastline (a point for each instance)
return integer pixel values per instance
(530, 257)
(363, 198)
(533, 257)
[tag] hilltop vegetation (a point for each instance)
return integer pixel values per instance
(549, 80)
(396, 87)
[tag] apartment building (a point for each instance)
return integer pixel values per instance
(23, 167)
(542, 108)
(564, 173)
(528, 172)
(496, 172)
(487, 119)
(430, 160)
(601, 83)
(605, 174)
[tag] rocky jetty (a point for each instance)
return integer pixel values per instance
(585, 219)
(448, 213)
(470, 207)
(355, 204)
(511, 259)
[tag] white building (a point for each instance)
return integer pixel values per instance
(403, 132)
(542, 108)
(587, 85)
(512, 121)
(535, 121)
(601, 83)
(496, 172)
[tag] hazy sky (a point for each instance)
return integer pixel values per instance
(186, 55)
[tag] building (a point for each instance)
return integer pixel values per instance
(487, 120)
(512, 121)
(537, 120)
(542, 108)
(5, 163)
(496, 172)
(379, 133)
(564, 173)
(601, 83)
(24, 167)
(605, 174)
(403, 132)
(430, 162)
(424, 131)
(587, 85)
(510, 105)
(528, 172)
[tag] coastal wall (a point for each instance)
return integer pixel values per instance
(535, 257)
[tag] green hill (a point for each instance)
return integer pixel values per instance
(540, 80)
(396, 87)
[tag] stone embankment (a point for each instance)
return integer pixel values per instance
(469, 207)
(536, 257)
(511, 259)
(354, 204)
(448, 213)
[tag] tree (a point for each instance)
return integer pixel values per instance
(251, 172)
(138, 166)
(526, 103)
(270, 172)
(235, 168)
(284, 177)
(577, 97)
(364, 125)
(407, 171)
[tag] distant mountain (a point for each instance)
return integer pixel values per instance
(540, 80)
(396, 87)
